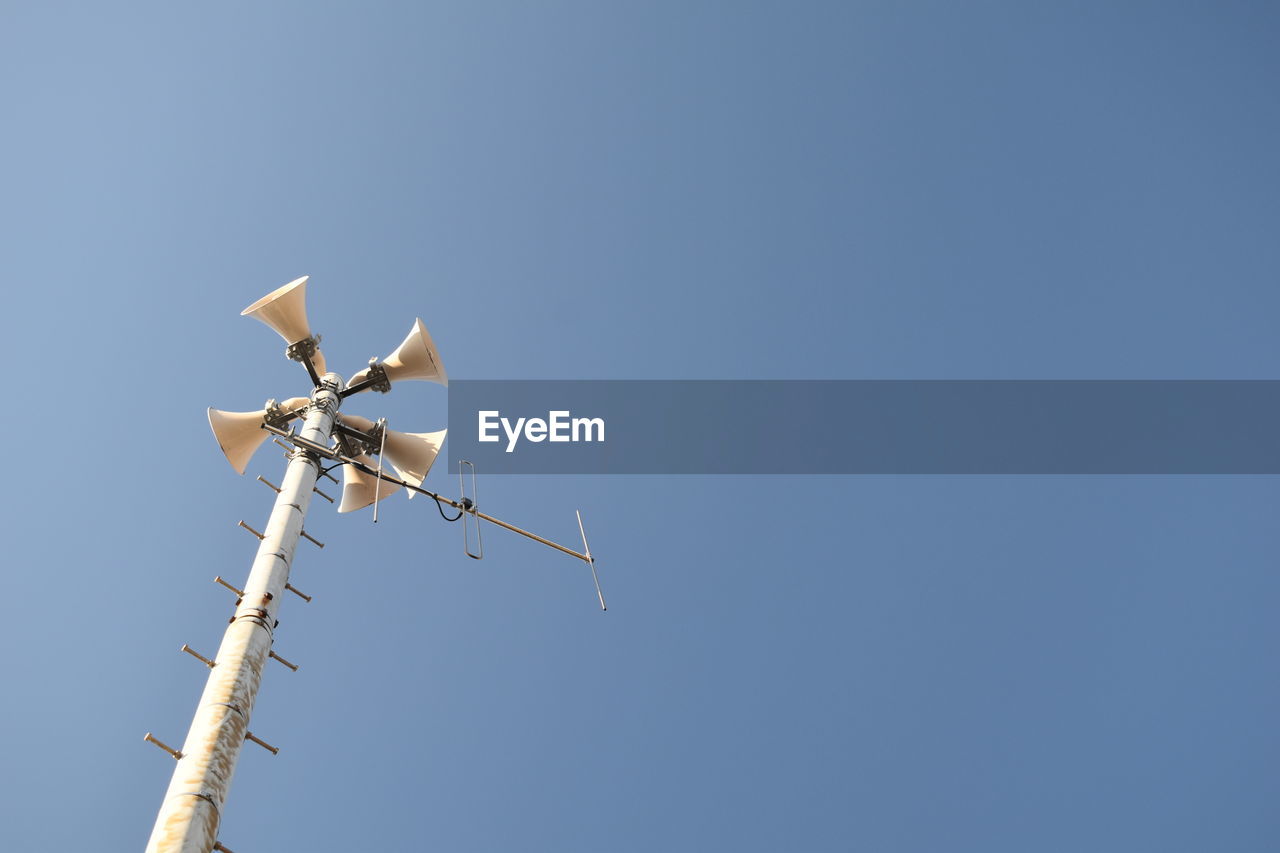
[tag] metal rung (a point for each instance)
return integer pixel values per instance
(153, 739)
(217, 845)
(274, 750)
(195, 654)
(251, 530)
(293, 589)
(264, 481)
(292, 666)
(322, 494)
(219, 580)
(312, 539)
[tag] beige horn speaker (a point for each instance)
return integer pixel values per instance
(358, 488)
(285, 310)
(240, 434)
(413, 453)
(416, 358)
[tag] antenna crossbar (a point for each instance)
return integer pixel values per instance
(331, 453)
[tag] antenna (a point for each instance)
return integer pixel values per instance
(468, 512)
(382, 449)
(591, 561)
(192, 809)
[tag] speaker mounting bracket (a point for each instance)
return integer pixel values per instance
(305, 348)
(277, 415)
(305, 352)
(377, 379)
(362, 441)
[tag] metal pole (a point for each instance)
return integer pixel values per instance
(192, 807)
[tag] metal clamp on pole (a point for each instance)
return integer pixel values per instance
(153, 739)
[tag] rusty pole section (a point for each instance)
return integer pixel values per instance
(192, 808)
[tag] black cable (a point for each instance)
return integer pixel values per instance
(439, 503)
(440, 507)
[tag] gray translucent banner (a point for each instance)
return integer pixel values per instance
(867, 427)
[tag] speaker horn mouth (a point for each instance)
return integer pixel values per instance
(284, 310)
(274, 295)
(415, 358)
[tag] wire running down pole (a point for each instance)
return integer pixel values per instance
(192, 809)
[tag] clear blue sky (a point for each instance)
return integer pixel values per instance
(649, 190)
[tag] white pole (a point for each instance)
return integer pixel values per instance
(192, 808)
